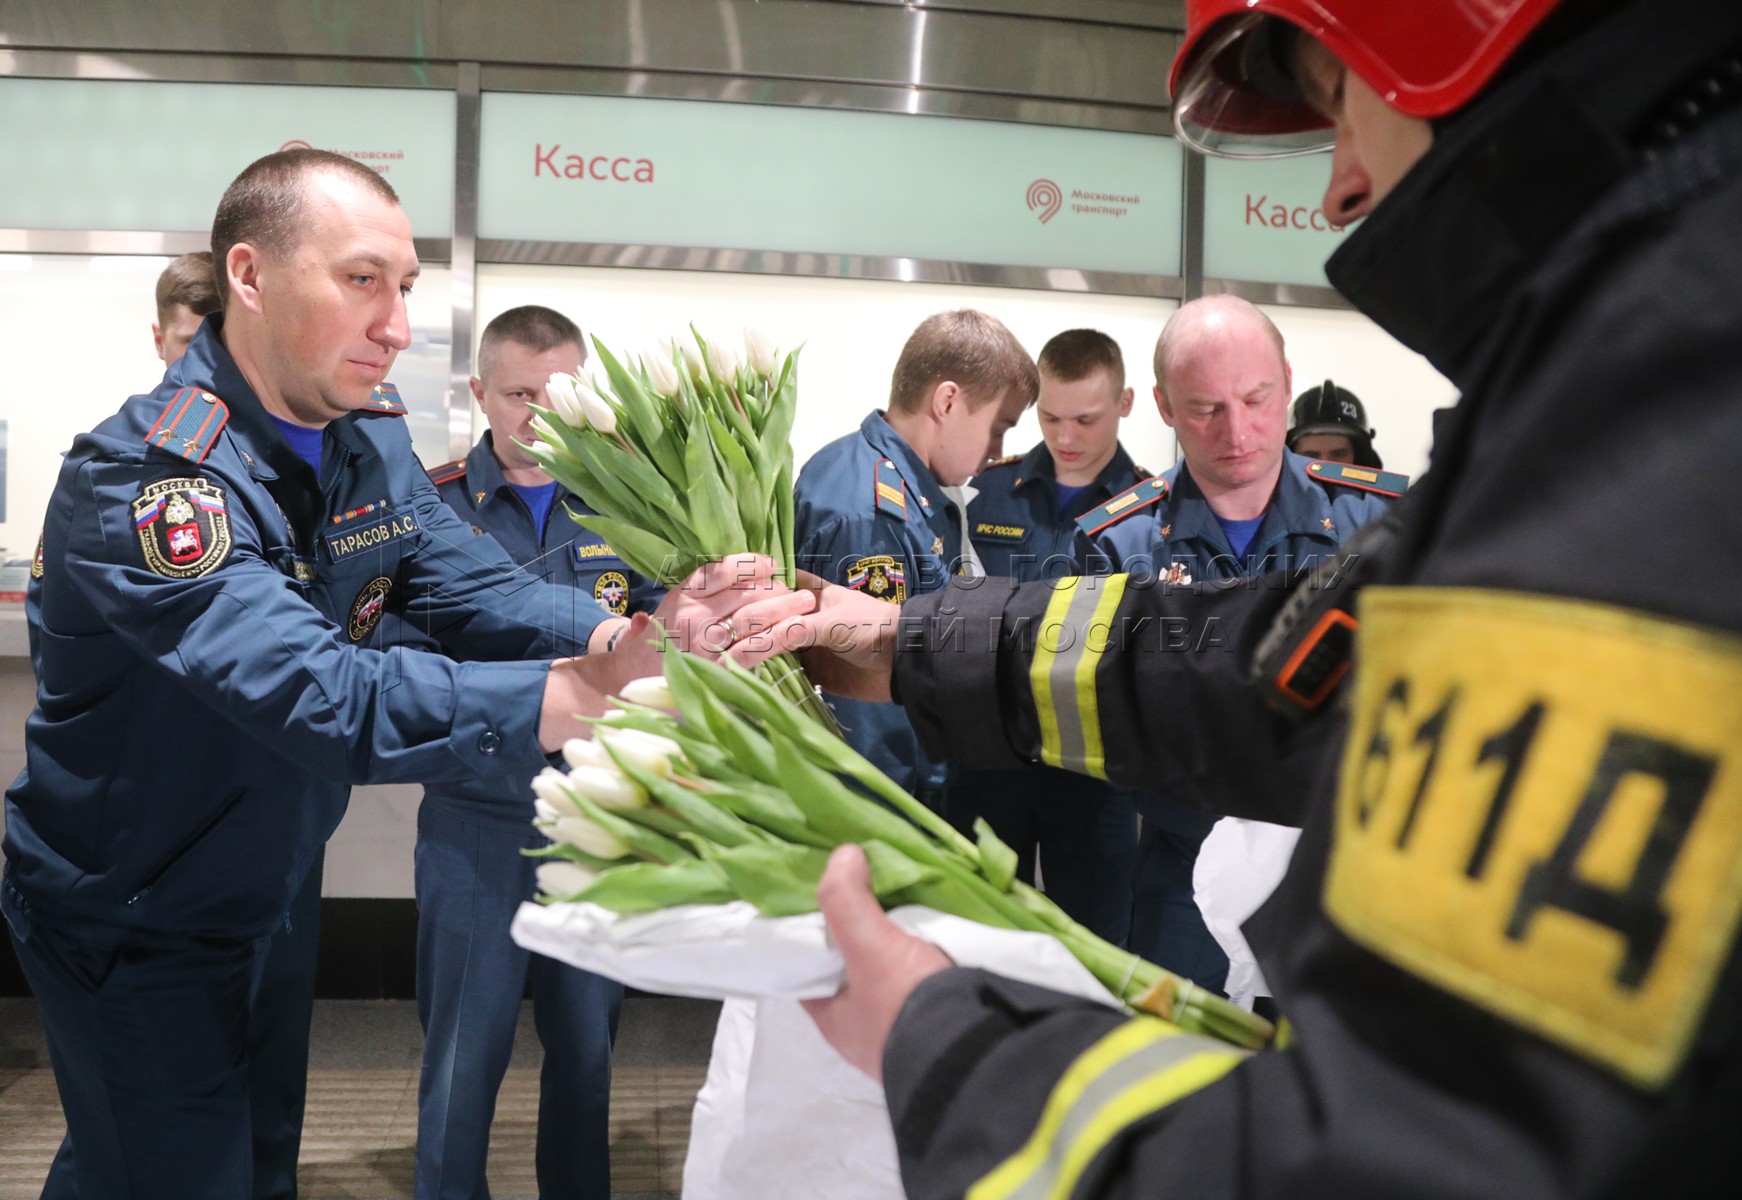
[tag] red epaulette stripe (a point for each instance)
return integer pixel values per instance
(199, 437)
(447, 471)
(186, 396)
(1314, 469)
(1160, 494)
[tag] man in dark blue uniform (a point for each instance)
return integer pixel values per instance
(471, 874)
(213, 556)
(1023, 523)
(870, 510)
(1237, 505)
(278, 1024)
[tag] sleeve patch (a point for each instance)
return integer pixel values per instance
(880, 575)
(183, 527)
(1541, 813)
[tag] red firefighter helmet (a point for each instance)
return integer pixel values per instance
(1233, 88)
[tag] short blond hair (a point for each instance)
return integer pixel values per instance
(969, 348)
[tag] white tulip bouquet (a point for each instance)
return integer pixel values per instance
(686, 456)
(719, 783)
(707, 787)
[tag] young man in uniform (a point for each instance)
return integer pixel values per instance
(1330, 424)
(1237, 506)
(214, 556)
(870, 511)
(471, 874)
(1507, 942)
(187, 293)
(1023, 523)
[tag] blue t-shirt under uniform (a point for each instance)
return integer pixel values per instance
(1240, 533)
(305, 441)
(1068, 496)
(538, 498)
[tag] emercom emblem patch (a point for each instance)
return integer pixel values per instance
(367, 608)
(1541, 812)
(879, 575)
(183, 527)
(611, 590)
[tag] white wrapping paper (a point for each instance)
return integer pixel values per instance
(1238, 866)
(781, 1116)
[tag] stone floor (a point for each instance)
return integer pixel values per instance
(362, 1102)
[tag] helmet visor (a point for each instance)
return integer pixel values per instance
(1238, 99)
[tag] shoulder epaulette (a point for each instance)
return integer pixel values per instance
(1367, 479)
(190, 424)
(1135, 498)
(891, 492)
(448, 472)
(385, 399)
(1004, 462)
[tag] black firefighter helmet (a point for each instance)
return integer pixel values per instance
(1332, 409)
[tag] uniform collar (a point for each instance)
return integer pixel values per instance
(207, 364)
(916, 475)
(1298, 507)
(485, 481)
(1116, 476)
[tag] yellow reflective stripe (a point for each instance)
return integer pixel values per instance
(1052, 626)
(1140, 1067)
(1095, 639)
(1074, 633)
(1131, 1106)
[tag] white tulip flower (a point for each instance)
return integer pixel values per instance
(559, 389)
(692, 355)
(551, 787)
(763, 354)
(586, 835)
(585, 752)
(544, 812)
(648, 751)
(560, 878)
(723, 360)
(661, 374)
(600, 415)
(609, 788)
(650, 690)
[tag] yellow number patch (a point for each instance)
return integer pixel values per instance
(1541, 812)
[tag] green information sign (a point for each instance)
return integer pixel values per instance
(112, 154)
(1262, 220)
(755, 177)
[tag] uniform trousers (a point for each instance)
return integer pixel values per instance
(471, 877)
(1167, 927)
(1083, 831)
(148, 1038)
(278, 1037)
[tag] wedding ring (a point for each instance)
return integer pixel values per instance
(731, 633)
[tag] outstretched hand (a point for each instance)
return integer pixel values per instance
(845, 640)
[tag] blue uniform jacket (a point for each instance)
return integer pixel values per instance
(1170, 531)
(203, 699)
(564, 553)
(1015, 523)
(869, 514)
